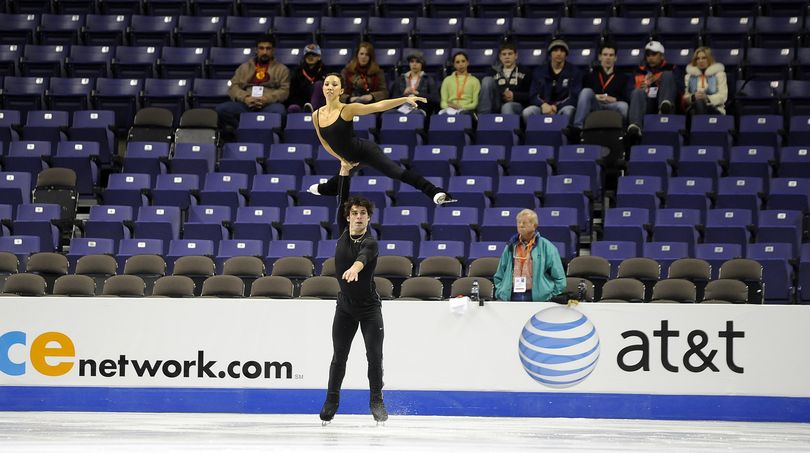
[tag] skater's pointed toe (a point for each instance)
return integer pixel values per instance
(443, 198)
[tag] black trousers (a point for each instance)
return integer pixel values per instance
(344, 327)
(368, 153)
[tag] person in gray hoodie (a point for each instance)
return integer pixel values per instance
(706, 84)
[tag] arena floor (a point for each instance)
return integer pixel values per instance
(138, 432)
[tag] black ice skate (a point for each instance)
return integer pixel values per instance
(330, 407)
(378, 410)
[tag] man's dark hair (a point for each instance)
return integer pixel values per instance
(607, 45)
(507, 45)
(358, 201)
(266, 38)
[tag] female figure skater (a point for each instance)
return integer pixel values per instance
(335, 128)
(358, 302)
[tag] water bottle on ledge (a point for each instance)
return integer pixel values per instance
(475, 293)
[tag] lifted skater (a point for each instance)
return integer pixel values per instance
(334, 124)
(358, 302)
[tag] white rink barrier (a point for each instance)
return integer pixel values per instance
(658, 361)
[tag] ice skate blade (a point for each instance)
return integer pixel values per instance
(380, 423)
(325, 422)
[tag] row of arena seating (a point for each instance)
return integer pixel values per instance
(429, 8)
(133, 62)
(507, 130)
(347, 31)
(781, 271)
(414, 8)
(638, 280)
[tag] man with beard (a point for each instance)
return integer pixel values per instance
(261, 84)
(306, 84)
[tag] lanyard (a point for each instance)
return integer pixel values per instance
(460, 90)
(523, 259)
(364, 79)
(603, 83)
(414, 81)
(311, 79)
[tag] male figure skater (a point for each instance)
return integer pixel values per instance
(358, 302)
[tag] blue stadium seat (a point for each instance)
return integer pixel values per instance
(175, 190)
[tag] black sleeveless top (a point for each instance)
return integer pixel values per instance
(340, 137)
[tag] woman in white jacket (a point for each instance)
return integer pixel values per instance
(706, 85)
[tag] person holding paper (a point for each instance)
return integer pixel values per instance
(416, 82)
(334, 124)
(656, 87)
(460, 90)
(261, 84)
(530, 268)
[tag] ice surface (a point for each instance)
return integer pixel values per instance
(139, 432)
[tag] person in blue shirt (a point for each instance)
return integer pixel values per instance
(556, 85)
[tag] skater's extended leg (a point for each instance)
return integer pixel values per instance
(328, 188)
(375, 158)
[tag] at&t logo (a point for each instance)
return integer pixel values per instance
(559, 347)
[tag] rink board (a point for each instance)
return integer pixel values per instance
(658, 361)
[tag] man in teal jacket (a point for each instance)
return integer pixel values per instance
(530, 268)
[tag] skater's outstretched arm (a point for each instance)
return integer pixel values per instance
(344, 178)
(387, 104)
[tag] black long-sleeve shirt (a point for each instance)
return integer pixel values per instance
(362, 292)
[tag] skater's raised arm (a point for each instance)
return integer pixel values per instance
(344, 178)
(387, 104)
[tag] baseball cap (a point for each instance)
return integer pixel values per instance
(654, 46)
(312, 48)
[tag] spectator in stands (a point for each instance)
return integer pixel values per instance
(460, 89)
(358, 303)
(506, 88)
(261, 84)
(556, 85)
(306, 83)
(656, 87)
(604, 88)
(365, 80)
(416, 82)
(706, 87)
(530, 268)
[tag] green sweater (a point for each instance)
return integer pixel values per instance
(548, 275)
(469, 97)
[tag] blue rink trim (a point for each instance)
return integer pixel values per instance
(409, 402)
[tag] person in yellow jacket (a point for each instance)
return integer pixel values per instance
(459, 93)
